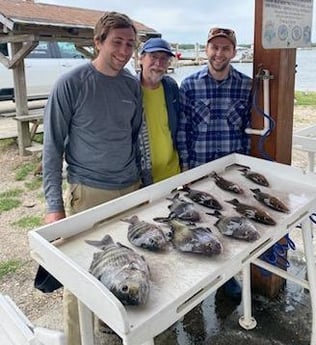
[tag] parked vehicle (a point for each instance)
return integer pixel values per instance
(43, 66)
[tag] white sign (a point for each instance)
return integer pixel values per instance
(287, 23)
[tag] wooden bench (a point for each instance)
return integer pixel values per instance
(25, 133)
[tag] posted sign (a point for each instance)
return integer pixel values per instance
(287, 23)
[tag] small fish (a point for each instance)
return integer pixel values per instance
(226, 185)
(238, 227)
(270, 201)
(198, 240)
(255, 177)
(124, 272)
(180, 209)
(252, 212)
(202, 198)
(145, 235)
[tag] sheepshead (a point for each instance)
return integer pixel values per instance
(146, 235)
(226, 184)
(270, 201)
(252, 212)
(198, 240)
(202, 198)
(238, 227)
(180, 209)
(124, 272)
(255, 177)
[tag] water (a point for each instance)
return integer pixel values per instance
(305, 79)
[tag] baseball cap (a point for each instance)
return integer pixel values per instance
(220, 32)
(156, 45)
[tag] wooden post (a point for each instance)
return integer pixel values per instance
(281, 65)
(24, 138)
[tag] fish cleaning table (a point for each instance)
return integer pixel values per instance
(179, 281)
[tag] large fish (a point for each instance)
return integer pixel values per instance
(238, 227)
(255, 177)
(252, 212)
(202, 198)
(145, 235)
(124, 272)
(270, 201)
(198, 240)
(181, 209)
(226, 184)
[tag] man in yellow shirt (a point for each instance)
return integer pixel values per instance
(160, 108)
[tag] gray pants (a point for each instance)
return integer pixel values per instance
(80, 198)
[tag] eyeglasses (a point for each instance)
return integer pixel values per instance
(163, 59)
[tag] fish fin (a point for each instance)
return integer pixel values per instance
(255, 190)
(106, 240)
(216, 213)
(233, 201)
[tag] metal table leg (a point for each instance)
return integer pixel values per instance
(247, 321)
(307, 229)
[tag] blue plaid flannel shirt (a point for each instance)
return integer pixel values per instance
(213, 117)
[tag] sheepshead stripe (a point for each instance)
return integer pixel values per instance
(138, 229)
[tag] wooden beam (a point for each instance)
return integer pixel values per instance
(278, 145)
(24, 139)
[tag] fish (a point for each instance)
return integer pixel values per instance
(123, 271)
(202, 198)
(255, 177)
(270, 201)
(252, 212)
(145, 235)
(226, 184)
(180, 209)
(239, 227)
(197, 240)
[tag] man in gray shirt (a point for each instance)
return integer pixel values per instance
(92, 118)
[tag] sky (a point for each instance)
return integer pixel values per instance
(183, 21)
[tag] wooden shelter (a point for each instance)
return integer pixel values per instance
(24, 23)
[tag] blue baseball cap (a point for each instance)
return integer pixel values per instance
(156, 45)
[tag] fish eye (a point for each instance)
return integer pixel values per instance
(124, 288)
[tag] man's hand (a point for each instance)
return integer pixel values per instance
(54, 216)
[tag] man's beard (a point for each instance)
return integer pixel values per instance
(221, 68)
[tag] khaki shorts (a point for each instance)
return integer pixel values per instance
(80, 198)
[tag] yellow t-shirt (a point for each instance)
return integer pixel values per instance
(164, 157)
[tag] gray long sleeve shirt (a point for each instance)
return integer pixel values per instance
(94, 120)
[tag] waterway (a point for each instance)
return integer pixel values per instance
(305, 78)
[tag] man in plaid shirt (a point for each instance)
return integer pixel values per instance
(215, 105)
(215, 109)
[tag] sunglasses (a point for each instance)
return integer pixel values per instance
(227, 32)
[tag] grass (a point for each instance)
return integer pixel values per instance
(29, 222)
(9, 266)
(34, 184)
(8, 204)
(305, 98)
(11, 193)
(24, 170)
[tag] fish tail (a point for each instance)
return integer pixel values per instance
(162, 219)
(130, 220)
(106, 240)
